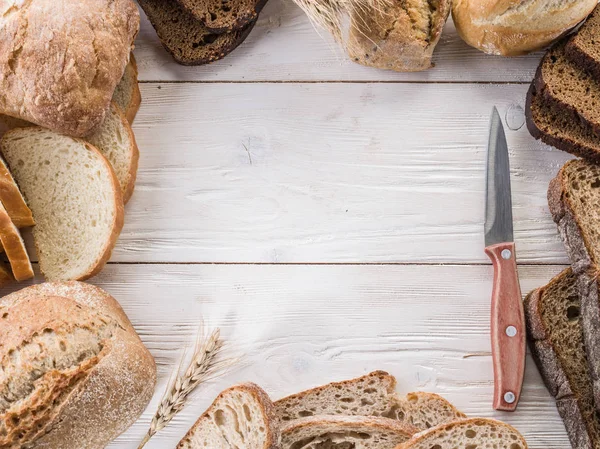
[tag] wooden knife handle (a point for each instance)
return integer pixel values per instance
(507, 328)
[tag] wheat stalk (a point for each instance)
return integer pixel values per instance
(203, 367)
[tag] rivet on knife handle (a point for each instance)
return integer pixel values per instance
(507, 328)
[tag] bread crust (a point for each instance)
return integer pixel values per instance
(515, 27)
(110, 392)
(69, 89)
(12, 200)
(14, 247)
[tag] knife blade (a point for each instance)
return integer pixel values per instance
(507, 315)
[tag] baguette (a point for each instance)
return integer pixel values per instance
(14, 247)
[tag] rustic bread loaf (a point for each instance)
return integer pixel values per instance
(222, 16)
(470, 433)
(74, 372)
(356, 432)
(127, 93)
(240, 417)
(14, 247)
(555, 333)
(13, 200)
(186, 38)
(557, 127)
(401, 36)
(75, 198)
(60, 61)
(515, 27)
(582, 48)
(369, 395)
(574, 201)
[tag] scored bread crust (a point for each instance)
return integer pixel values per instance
(551, 370)
(583, 267)
(109, 394)
(267, 410)
(12, 200)
(511, 27)
(14, 246)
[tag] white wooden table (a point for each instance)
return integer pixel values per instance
(329, 218)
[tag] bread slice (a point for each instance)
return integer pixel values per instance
(75, 198)
(369, 395)
(5, 275)
(14, 247)
(116, 142)
(127, 94)
(557, 127)
(355, 432)
(13, 200)
(240, 417)
(470, 433)
(583, 49)
(221, 16)
(555, 332)
(569, 88)
(186, 38)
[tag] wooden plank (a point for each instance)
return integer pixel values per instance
(284, 45)
(298, 326)
(344, 173)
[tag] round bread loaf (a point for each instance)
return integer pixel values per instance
(516, 27)
(73, 374)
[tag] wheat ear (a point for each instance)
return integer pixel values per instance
(203, 367)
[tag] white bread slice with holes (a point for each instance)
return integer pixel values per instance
(14, 247)
(356, 432)
(116, 142)
(370, 395)
(466, 434)
(241, 417)
(127, 93)
(13, 200)
(74, 196)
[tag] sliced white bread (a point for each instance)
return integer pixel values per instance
(14, 247)
(74, 196)
(370, 395)
(116, 141)
(356, 432)
(241, 417)
(468, 434)
(127, 94)
(13, 200)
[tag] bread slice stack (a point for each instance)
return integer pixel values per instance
(361, 413)
(198, 32)
(71, 190)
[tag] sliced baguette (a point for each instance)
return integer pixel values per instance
(13, 200)
(240, 417)
(469, 433)
(356, 432)
(14, 247)
(74, 196)
(127, 93)
(555, 333)
(369, 395)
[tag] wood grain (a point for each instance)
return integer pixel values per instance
(298, 326)
(284, 46)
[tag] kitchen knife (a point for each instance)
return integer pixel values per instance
(508, 319)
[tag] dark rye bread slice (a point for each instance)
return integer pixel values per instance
(185, 37)
(221, 16)
(566, 86)
(574, 201)
(583, 48)
(555, 333)
(556, 127)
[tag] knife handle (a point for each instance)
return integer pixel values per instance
(507, 328)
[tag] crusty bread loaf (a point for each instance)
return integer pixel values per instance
(515, 27)
(14, 247)
(241, 417)
(74, 373)
(470, 433)
(356, 432)
(401, 36)
(60, 61)
(127, 93)
(75, 198)
(13, 200)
